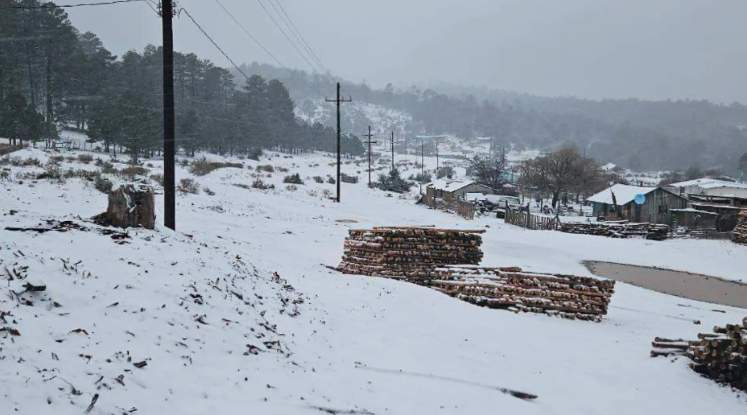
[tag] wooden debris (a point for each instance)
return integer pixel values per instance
(739, 234)
(721, 356)
(398, 251)
(510, 289)
(621, 229)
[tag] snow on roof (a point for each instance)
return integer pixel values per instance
(449, 185)
(711, 183)
(624, 194)
(694, 211)
(609, 166)
(474, 196)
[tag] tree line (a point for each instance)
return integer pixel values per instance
(52, 75)
(632, 133)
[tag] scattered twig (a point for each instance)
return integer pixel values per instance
(93, 402)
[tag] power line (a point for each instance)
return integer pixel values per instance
(313, 68)
(213, 42)
(67, 6)
(264, 48)
(294, 30)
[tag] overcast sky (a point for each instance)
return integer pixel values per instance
(652, 49)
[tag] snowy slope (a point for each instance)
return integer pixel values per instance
(349, 343)
(357, 116)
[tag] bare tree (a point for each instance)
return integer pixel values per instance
(489, 171)
(561, 171)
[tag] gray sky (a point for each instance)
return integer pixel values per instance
(651, 49)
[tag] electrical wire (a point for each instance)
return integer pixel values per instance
(313, 68)
(182, 8)
(264, 48)
(299, 36)
(67, 6)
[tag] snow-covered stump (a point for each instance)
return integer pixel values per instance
(131, 206)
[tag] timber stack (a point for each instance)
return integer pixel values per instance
(621, 229)
(408, 252)
(511, 289)
(720, 356)
(739, 234)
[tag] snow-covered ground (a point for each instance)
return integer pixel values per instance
(198, 303)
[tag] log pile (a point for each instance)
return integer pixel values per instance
(622, 229)
(720, 356)
(511, 289)
(739, 234)
(408, 252)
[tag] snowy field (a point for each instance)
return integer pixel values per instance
(220, 332)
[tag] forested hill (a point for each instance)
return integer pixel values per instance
(638, 134)
(52, 76)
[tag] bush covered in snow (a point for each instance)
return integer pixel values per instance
(202, 167)
(293, 178)
(188, 186)
(393, 182)
(348, 179)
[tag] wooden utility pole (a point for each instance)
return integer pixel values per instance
(422, 157)
(338, 101)
(169, 129)
(393, 151)
(436, 144)
(369, 135)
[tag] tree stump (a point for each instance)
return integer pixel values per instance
(131, 207)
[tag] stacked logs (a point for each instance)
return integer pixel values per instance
(511, 289)
(739, 234)
(720, 356)
(408, 252)
(656, 232)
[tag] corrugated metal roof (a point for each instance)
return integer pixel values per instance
(624, 194)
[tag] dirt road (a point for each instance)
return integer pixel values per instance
(681, 284)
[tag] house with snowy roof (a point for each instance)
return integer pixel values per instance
(453, 189)
(618, 202)
(613, 168)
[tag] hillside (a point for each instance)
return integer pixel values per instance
(236, 310)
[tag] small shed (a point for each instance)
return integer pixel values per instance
(618, 202)
(452, 190)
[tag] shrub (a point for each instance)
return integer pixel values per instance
(331, 180)
(423, 178)
(291, 188)
(282, 170)
(85, 158)
(7, 149)
(102, 184)
(259, 184)
(208, 191)
(188, 186)
(108, 168)
(266, 168)
(99, 162)
(293, 178)
(254, 154)
(158, 178)
(327, 193)
(348, 179)
(447, 171)
(318, 179)
(130, 172)
(184, 162)
(202, 167)
(149, 165)
(19, 162)
(393, 182)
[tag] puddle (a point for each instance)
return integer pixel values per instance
(681, 284)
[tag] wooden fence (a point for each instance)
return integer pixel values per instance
(530, 221)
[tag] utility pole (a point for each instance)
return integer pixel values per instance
(436, 144)
(169, 129)
(392, 150)
(338, 101)
(422, 157)
(369, 135)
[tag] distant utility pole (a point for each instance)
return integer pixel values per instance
(338, 101)
(422, 157)
(169, 129)
(392, 150)
(436, 144)
(369, 135)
